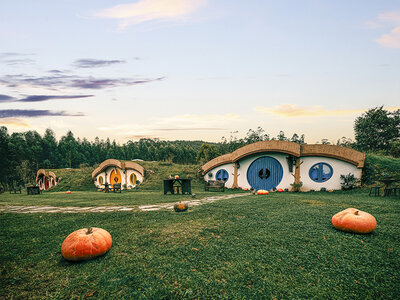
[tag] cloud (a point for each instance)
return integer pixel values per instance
(14, 54)
(70, 81)
(14, 58)
(95, 63)
(151, 10)
(40, 98)
(392, 39)
(160, 125)
(13, 122)
(293, 111)
(33, 113)
(6, 98)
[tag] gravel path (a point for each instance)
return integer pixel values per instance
(100, 209)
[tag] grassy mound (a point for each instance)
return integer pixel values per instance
(155, 173)
(377, 166)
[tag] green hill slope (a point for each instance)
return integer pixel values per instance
(155, 172)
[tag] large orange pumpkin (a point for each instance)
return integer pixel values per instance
(178, 207)
(262, 192)
(85, 244)
(354, 220)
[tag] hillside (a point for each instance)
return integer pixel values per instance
(155, 172)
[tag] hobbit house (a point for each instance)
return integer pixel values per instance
(112, 171)
(46, 179)
(269, 165)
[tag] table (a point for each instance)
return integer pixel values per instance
(33, 190)
(176, 185)
(386, 190)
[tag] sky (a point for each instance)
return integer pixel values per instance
(196, 69)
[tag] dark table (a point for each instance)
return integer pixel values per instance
(177, 185)
(33, 190)
(386, 189)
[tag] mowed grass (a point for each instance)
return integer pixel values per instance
(93, 198)
(279, 246)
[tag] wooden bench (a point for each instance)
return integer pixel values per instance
(15, 190)
(116, 187)
(214, 184)
(375, 191)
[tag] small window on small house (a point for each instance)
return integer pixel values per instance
(321, 172)
(222, 175)
(100, 180)
(133, 179)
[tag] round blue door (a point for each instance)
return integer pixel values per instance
(265, 173)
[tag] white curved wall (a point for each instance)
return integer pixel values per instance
(334, 183)
(108, 171)
(228, 167)
(339, 168)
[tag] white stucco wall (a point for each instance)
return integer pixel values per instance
(127, 182)
(245, 163)
(339, 168)
(228, 167)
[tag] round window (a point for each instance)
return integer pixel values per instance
(100, 180)
(222, 175)
(321, 172)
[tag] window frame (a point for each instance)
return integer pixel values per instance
(320, 166)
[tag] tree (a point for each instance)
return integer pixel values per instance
(207, 152)
(377, 129)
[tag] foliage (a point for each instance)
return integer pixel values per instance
(377, 166)
(297, 186)
(349, 181)
(378, 130)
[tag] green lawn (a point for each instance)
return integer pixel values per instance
(93, 198)
(279, 246)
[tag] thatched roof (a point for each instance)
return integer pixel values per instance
(123, 165)
(44, 173)
(346, 154)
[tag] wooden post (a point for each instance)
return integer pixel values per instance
(235, 176)
(297, 172)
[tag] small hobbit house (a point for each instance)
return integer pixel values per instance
(46, 179)
(269, 165)
(112, 171)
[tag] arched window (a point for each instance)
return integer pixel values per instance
(222, 175)
(132, 178)
(100, 180)
(321, 172)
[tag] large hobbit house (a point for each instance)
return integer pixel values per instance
(269, 165)
(112, 171)
(46, 179)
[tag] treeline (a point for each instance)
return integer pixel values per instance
(23, 153)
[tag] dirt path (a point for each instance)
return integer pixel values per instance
(72, 209)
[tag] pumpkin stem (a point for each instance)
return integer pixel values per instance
(89, 231)
(356, 212)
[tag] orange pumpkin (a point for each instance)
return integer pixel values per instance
(354, 220)
(179, 207)
(280, 190)
(86, 243)
(262, 192)
(68, 192)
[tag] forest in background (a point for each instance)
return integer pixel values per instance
(23, 153)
